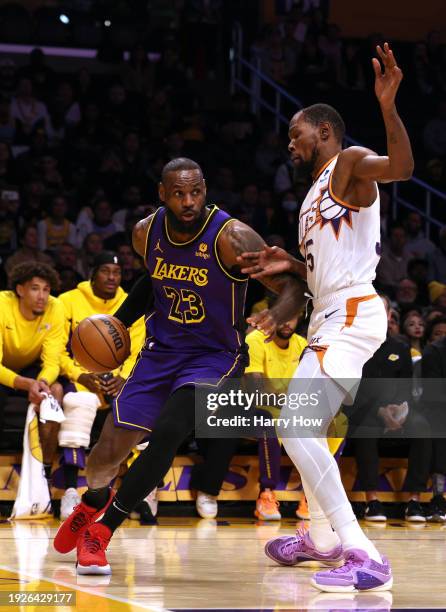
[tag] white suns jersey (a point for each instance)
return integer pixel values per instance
(340, 242)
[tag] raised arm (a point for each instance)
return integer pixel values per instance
(238, 238)
(363, 164)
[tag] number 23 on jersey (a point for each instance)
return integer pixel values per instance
(186, 305)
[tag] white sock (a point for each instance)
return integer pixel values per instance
(321, 532)
(330, 496)
(316, 465)
(352, 536)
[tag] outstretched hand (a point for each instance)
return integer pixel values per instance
(265, 322)
(268, 262)
(387, 82)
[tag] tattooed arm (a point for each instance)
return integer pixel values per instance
(238, 238)
(139, 235)
(357, 167)
(399, 152)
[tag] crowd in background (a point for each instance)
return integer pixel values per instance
(81, 155)
(311, 58)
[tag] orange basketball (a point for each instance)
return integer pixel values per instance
(100, 343)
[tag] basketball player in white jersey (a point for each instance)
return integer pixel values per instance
(339, 237)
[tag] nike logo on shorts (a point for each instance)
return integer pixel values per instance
(330, 313)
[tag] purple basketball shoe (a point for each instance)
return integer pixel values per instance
(298, 549)
(359, 573)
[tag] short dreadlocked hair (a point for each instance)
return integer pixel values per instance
(323, 113)
(24, 272)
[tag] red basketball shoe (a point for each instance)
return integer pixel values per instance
(78, 521)
(91, 547)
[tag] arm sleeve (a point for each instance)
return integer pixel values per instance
(137, 302)
(137, 337)
(256, 354)
(67, 365)
(7, 376)
(52, 346)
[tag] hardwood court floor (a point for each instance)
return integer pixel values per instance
(202, 564)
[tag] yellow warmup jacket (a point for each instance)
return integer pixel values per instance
(80, 303)
(24, 342)
(278, 366)
(273, 362)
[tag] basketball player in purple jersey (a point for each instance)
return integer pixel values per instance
(195, 331)
(339, 237)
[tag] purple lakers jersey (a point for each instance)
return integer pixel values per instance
(198, 304)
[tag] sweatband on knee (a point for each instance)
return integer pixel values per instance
(80, 411)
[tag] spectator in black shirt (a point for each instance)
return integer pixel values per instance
(413, 330)
(433, 366)
(380, 412)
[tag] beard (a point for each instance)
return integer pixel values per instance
(191, 227)
(284, 335)
(305, 169)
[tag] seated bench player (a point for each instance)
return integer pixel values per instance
(86, 392)
(31, 341)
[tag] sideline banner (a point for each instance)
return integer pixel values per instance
(241, 483)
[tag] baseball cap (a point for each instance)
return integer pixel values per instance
(106, 257)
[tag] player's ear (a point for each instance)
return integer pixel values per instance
(324, 131)
(20, 290)
(205, 187)
(162, 192)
